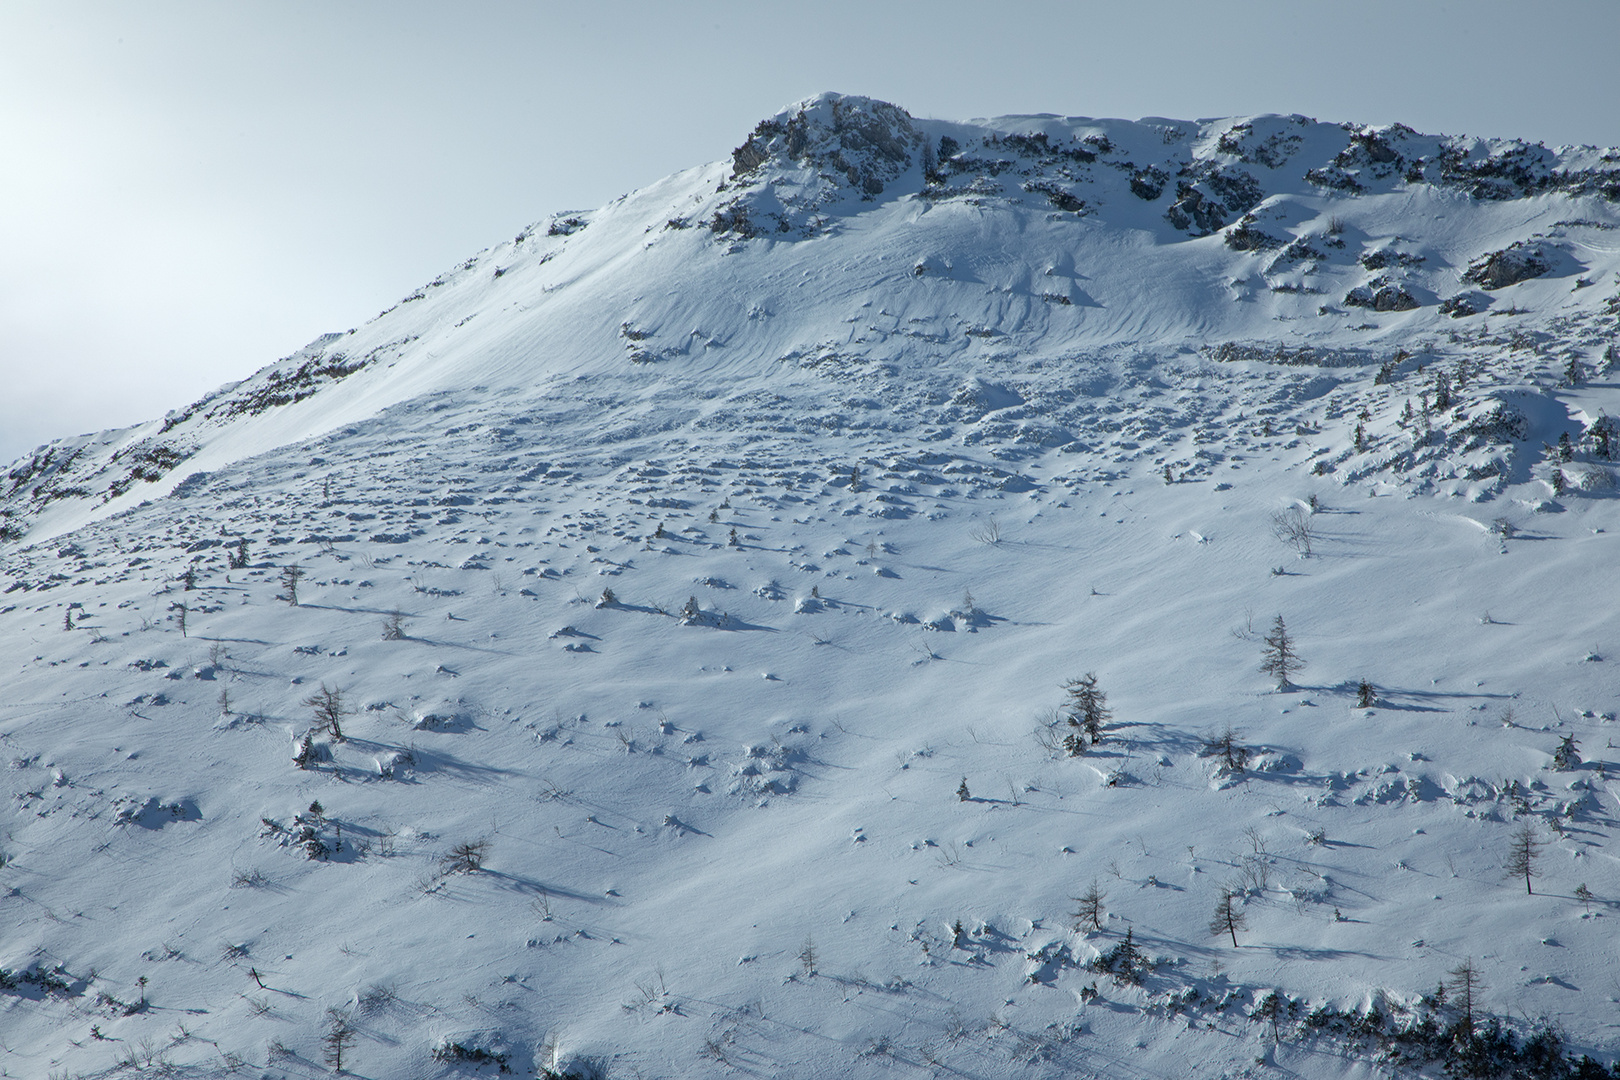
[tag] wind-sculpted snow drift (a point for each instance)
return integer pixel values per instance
(672, 680)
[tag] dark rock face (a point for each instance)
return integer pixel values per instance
(1384, 258)
(1459, 307)
(1245, 237)
(852, 144)
(806, 165)
(1208, 195)
(1484, 169)
(867, 142)
(1381, 297)
(1149, 183)
(1513, 264)
(1193, 212)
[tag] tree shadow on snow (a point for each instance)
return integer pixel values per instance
(438, 643)
(354, 610)
(1399, 699)
(528, 886)
(450, 765)
(1314, 952)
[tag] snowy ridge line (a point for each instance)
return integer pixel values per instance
(1367, 255)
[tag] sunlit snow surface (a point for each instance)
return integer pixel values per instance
(868, 480)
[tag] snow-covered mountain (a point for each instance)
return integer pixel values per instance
(701, 587)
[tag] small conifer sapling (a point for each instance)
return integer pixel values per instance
(1280, 660)
(1228, 917)
(1088, 706)
(1523, 850)
(1074, 744)
(339, 1034)
(807, 956)
(1270, 1008)
(1442, 391)
(466, 858)
(1089, 907)
(290, 577)
(329, 708)
(1234, 755)
(1463, 987)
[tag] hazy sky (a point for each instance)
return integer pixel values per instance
(191, 189)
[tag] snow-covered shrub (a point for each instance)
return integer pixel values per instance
(475, 1048)
(466, 857)
(1587, 478)
(765, 770)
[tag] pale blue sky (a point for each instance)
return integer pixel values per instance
(190, 189)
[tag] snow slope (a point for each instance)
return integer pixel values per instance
(877, 434)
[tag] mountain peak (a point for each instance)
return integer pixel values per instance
(767, 596)
(832, 144)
